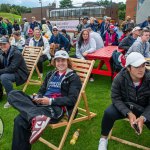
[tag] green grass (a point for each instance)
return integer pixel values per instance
(98, 94)
(10, 16)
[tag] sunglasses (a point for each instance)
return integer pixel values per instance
(55, 30)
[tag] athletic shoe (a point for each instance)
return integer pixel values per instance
(91, 79)
(7, 105)
(103, 144)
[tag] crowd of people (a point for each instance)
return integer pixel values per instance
(130, 89)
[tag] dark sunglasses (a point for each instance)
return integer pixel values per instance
(55, 30)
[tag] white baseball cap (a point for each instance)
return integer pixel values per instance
(135, 29)
(61, 54)
(55, 27)
(135, 59)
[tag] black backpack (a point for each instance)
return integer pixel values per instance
(1, 91)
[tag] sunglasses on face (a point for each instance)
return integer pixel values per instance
(55, 30)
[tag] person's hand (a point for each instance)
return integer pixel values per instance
(84, 54)
(131, 118)
(42, 101)
(140, 122)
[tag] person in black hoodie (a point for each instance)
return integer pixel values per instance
(12, 67)
(57, 95)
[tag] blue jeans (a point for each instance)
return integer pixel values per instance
(7, 80)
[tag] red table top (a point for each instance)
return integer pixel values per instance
(103, 53)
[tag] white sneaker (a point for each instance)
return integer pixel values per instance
(91, 79)
(103, 144)
(7, 105)
(41, 75)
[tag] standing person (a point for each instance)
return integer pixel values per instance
(110, 37)
(3, 27)
(49, 25)
(12, 67)
(18, 40)
(9, 27)
(146, 23)
(93, 24)
(40, 41)
(127, 42)
(45, 29)
(130, 94)
(141, 45)
(57, 95)
(26, 27)
(34, 24)
(16, 26)
(85, 44)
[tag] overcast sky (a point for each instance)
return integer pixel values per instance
(35, 3)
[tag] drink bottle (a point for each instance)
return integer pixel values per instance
(75, 137)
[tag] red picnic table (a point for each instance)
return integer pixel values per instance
(103, 55)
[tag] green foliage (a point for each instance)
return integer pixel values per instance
(65, 4)
(104, 2)
(122, 11)
(15, 9)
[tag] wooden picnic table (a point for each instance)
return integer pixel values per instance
(103, 55)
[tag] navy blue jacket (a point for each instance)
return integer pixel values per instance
(144, 24)
(61, 40)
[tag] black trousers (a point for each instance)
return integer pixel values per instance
(40, 62)
(22, 123)
(111, 114)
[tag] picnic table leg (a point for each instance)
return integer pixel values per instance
(101, 63)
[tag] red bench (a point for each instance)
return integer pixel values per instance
(103, 55)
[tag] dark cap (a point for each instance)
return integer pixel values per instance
(86, 17)
(4, 40)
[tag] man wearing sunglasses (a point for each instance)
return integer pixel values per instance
(58, 41)
(130, 94)
(12, 66)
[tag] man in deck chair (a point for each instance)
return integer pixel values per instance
(57, 95)
(130, 95)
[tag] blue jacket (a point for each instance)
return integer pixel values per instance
(144, 24)
(59, 39)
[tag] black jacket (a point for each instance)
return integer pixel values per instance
(126, 43)
(15, 64)
(70, 88)
(124, 91)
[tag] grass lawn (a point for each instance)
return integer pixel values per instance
(10, 16)
(98, 94)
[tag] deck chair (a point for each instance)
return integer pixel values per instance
(31, 56)
(83, 69)
(125, 141)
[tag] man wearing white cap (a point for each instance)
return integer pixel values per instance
(130, 95)
(141, 45)
(57, 95)
(127, 42)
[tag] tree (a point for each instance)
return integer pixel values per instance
(104, 3)
(66, 4)
(122, 10)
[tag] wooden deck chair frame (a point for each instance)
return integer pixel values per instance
(83, 69)
(125, 141)
(31, 56)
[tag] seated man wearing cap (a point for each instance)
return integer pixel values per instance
(58, 41)
(12, 67)
(130, 95)
(127, 42)
(141, 45)
(57, 95)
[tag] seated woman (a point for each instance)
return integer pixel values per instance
(85, 44)
(57, 95)
(110, 37)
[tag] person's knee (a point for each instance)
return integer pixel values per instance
(4, 78)
(11, 98)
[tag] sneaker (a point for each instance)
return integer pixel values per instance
(41, 74)
(39, 123)
(7, 105)
(103, 144)
(91, 79)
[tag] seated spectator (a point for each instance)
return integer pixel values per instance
(75, 38)
(57, 95)
(16, 26)
(12, 67)
(30, 35)
(85, 45)
(18, 40)
(40, 41)
(98, 39)
(146, 23)
(126, 33)
(93, 25)
(110, 37)
(127, 42)
(130, 98)
(141, 45)
(45, 29)
(66, 35)
(58, 41)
